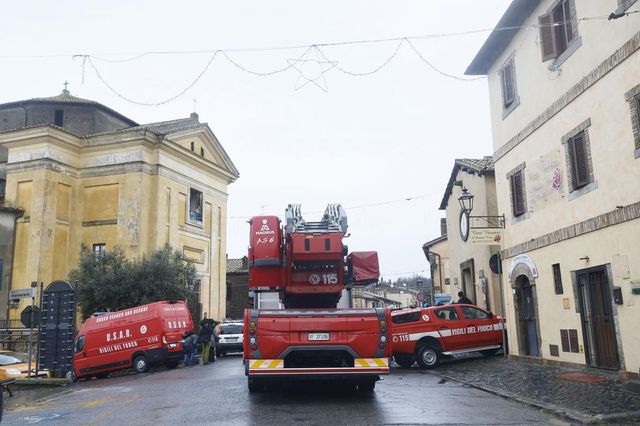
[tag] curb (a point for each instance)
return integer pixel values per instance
(36, 382)
(571, 415)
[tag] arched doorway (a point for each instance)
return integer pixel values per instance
(526, 314)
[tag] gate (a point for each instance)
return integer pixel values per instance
(57, 328)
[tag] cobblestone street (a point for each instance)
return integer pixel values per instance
(584, 395)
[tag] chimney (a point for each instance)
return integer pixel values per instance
(443, 226)
(194, 116)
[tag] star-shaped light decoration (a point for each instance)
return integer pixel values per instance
(312, 70)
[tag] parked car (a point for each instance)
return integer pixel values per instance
(229, 338)
(135, 337)
(16, 365)
(426, 335)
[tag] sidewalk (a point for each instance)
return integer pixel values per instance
(583, 395)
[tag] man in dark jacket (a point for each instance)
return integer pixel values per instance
(464, 299)
(206, 331)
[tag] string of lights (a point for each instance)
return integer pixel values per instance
(317, 78)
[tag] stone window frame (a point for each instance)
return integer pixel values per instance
(509, 63)
(593, 183)
(519, 168)
(633, 98)
(572, 46)
(623, 6)
(192, 218)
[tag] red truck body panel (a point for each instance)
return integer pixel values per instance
(111, 341)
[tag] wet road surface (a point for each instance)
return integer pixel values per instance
(217, 394)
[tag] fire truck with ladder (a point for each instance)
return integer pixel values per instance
(307, 264)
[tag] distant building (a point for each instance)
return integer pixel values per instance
(468, 255)
(437, 254)
(565, 112)
(83, 173)
(237, 287)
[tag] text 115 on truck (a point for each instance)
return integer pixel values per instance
(307, 264)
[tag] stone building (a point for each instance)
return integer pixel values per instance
(237, 287)
(85, 174)
(565, 111)
(469, 249)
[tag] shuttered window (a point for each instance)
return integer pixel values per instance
(557, 29)
(579, 160)
(507, 75)
(557, 278)
(517, 193)
(636, 125)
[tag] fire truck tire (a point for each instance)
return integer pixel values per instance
(366, 386)
(404, 361)
(255, 386)
(140, 364)
(428, 357)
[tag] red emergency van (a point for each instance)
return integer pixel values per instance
(135, 337)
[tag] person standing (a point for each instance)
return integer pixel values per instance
(464, 299)
(206, 331)
(189, 342)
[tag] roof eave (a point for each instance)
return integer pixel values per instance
(499, 39)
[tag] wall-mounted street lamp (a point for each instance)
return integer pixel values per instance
(466, 201)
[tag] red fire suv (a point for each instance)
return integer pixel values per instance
(426, 335)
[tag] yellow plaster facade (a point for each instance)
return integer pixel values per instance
(138, 188)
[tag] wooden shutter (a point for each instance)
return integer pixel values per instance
(508, 87)
(579, 160)
(517, 194)
(547, 37)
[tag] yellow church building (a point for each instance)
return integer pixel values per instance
(82, 173)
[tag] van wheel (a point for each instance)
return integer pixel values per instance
(428, 357)
(140, 364)
(71, 376)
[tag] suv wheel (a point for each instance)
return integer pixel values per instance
(428, 357)
(140, 364)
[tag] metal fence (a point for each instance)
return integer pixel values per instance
(17, 338)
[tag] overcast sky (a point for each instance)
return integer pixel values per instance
(383, 145)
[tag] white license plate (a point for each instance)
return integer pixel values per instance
(318, 336)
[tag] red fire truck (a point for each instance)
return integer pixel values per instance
(307, 264)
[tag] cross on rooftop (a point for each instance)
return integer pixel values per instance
(65, 91)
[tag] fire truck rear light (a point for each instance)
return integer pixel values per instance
(252, 331)
(383, 339)
(252, 324)
(254, 347)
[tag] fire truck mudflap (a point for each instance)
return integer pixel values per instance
(352, 344)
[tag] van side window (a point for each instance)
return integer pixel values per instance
(80, 343)
(405, 318)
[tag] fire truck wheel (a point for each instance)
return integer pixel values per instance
(255, 386)
(366, 386)
(428, 357)
(404, 361)
(140, 364)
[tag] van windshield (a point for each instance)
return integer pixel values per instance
(231, 329)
